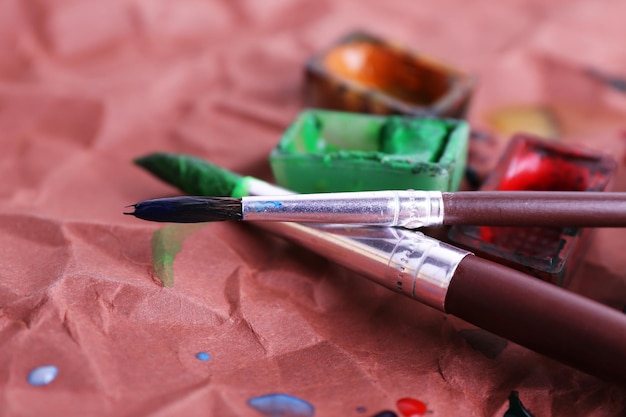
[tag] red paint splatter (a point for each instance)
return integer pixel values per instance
(410, 407)
(541, 173)
(536, 172)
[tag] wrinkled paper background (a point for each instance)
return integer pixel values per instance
(86, 86)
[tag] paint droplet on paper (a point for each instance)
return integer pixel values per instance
(203, 356)
(410, 407)
(516, 408)
(42, 375)
(281, 405)
(386, 413)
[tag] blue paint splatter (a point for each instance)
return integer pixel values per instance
(203, 356)
(262, 207)
(281, 405)
(361, 409)
(42, 375)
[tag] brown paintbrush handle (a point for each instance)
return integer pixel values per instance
(528, 208)
(547, 319)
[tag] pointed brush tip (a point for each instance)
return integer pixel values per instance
(151, 156)
(188, 209)
(130, 213)
(141, 160)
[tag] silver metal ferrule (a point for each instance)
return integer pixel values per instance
(410, 209)
(404, 261)
(424, 267)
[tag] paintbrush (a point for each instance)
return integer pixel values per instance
(552, 321)
(409, 209)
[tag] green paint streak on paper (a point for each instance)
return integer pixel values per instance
(167, 242)
(193, 176)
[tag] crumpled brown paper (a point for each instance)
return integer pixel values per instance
(86, 86)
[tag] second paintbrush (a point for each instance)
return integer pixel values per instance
(410, 209)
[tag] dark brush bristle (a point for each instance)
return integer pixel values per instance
(188, 209)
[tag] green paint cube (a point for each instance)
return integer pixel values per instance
(331, 151)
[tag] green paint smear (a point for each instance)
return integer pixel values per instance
(327, 133)
(325, 151)
(166, 243)
(191, 175)
(422, 139)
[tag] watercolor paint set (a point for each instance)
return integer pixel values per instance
(363, 73)
(366, 74)
(325, 151)
(533, 164)
(339, 144)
